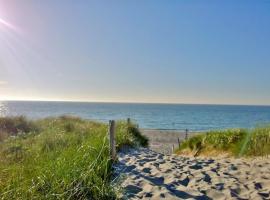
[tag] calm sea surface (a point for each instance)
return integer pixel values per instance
(155, 116)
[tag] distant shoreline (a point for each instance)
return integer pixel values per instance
(196, 118)
(150, 103)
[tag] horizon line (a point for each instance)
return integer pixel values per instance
(128, 102)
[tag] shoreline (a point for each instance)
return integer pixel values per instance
(130, 102)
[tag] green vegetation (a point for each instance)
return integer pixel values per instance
(13, 126)
(236, 142)
(59, 158)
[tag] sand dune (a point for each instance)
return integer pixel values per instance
(146, 174)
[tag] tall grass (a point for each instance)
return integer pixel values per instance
(258, 143)
(237, 142)
(59, 158)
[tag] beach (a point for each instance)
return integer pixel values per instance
(134, 100)
(163, 141)
(157, 173)
(146, 174)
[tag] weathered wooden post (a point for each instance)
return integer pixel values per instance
(128, 125)
(112, 139)
(172, 148)
(179, 143)
(186, 137)
(128, 121)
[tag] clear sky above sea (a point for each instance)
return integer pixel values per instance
(136, 51)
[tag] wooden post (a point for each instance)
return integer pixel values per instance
(178, 142)
(112, 139)
(186, 137)
(172, 148)
(128, 125)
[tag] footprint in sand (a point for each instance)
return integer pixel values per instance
(150, 175)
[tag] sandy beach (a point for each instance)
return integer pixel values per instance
(156, 173)
(162, 141)
(146, 174)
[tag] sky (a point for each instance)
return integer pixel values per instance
(206, 52)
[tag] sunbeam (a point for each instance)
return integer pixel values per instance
(7, 24)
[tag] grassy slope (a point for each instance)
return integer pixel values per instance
(236, 142)
(59, 158)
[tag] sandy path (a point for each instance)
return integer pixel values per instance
(150, 175)
(162, 141)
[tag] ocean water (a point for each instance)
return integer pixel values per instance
(153, 116)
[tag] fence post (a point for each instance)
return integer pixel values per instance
(128, 121)
(112, 139)
(178, 142)
(186, 137)
(172, 148)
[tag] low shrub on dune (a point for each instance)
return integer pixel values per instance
(13, 126)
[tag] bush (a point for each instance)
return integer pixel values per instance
(3, 135)
(141, 140)
(16, 125)
(194, 143)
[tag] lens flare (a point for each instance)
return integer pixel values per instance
(20, 51)
(7, 24)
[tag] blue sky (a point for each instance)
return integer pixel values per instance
(136, 51)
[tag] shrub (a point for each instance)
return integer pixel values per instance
(3, 135)
(194, 143)
(16, 125)
(141, 140)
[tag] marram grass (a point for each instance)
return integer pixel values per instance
(59, 158)
(236, 142)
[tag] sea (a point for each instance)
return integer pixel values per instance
(148, 116)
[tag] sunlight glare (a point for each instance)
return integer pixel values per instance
(7, 24)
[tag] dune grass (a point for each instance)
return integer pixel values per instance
(13, 126)
(235, 142)
(59, 158)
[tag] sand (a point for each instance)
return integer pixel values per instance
(156, 173)
(162, 141)
(146, 174)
